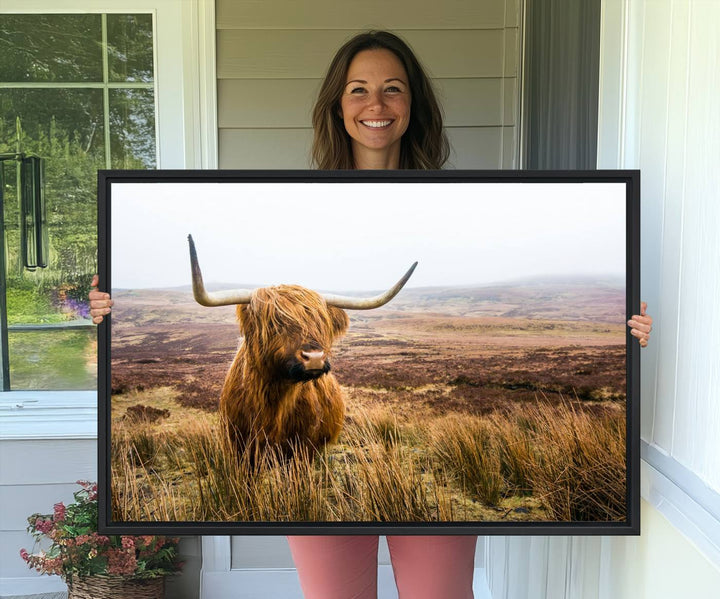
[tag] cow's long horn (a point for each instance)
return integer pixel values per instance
(368, 303)
(217, 298)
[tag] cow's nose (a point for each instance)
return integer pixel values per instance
(313, 360)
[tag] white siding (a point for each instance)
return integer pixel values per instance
(271, 59)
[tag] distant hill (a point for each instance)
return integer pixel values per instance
(600, 299)
(564, 299)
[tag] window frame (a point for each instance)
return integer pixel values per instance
(184, 37)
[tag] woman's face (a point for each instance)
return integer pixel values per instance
(375, 103)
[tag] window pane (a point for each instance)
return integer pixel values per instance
(50, 48)
(65, 127)
(53, 360)
(49, 117)
(130, 47)
(132, 128)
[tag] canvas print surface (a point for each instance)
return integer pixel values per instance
(490, 389)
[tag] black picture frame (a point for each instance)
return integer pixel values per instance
(629, 179)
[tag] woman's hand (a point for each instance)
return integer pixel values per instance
(100, 302)
(641, 325)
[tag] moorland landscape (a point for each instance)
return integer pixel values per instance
(501, 402)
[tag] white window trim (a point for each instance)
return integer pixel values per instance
(680, 495)
(186, 124)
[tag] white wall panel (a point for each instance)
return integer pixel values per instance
(306, 53)
(496, 566)
(260, 552)
(652, 116)
(611, 86)
(672, 233)
(697, 423)
(518, 552)
(537, 572)
(265, 148)
(460, 99)
(475, 147)
(19, 501)
(51, 461)
(510, 101)
(669, 128)
(331, 14)
(11, 564)
(510, 145)
(513, 13)
(511, 59)
(584, 578)
(268, 103)
(559, 552)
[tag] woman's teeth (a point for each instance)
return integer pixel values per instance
(376, 124)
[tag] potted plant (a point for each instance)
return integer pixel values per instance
(95, 566)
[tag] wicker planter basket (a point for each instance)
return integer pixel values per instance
(116, 587)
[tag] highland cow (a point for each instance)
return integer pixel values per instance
(279, 390)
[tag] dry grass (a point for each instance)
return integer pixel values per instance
(580, 472)
(540, 462)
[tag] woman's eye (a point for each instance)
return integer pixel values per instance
(393, 89)
(357, 90)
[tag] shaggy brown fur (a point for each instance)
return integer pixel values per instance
(261, 402)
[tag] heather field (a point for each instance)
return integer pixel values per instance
(494, 403)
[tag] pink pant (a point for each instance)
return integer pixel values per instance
(336, 567)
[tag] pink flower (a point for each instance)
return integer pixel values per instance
(121, 562)
(43, 526)
(59, 509)
(53, 565)
(24, 555)
(128, 542)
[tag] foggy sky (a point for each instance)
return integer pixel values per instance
(363, 236)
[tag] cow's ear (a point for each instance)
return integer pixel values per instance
(340, 320)
(241, 310)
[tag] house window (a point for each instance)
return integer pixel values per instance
(77, 91)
